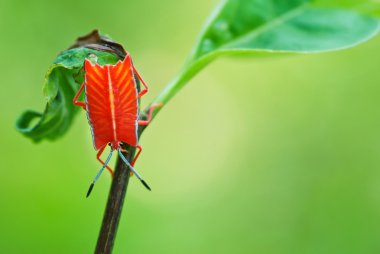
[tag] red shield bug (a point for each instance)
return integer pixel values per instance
(112, 106)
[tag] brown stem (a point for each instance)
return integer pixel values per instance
(120, 180)
(115, 201)
(114, 206)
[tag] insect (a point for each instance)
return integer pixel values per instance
(112, 106)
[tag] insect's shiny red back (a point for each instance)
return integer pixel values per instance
(112, 103)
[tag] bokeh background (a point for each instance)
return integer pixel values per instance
(269, 155)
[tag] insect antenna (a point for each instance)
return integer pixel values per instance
(134, 170)
(99, 173)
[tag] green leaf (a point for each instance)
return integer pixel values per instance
(371, 7)
(263, 27)
(62, 81)
(282, 26)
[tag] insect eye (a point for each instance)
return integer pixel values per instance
(121, 145)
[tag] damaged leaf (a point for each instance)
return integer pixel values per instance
(62, 81)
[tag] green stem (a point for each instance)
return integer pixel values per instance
(187, 73)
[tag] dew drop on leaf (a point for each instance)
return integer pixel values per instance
(222, 31)
(221, 26)
(93, 58)
(207, 45)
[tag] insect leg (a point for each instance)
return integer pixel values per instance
(137, 155)
(101, 161)
(99, 173)
(151, 110)
(75, 100)
(145, 90)
(133, 170)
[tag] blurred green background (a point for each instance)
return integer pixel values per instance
(273, 155)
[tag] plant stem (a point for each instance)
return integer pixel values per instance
(120, 180)
(114, 206)
(187, 73)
